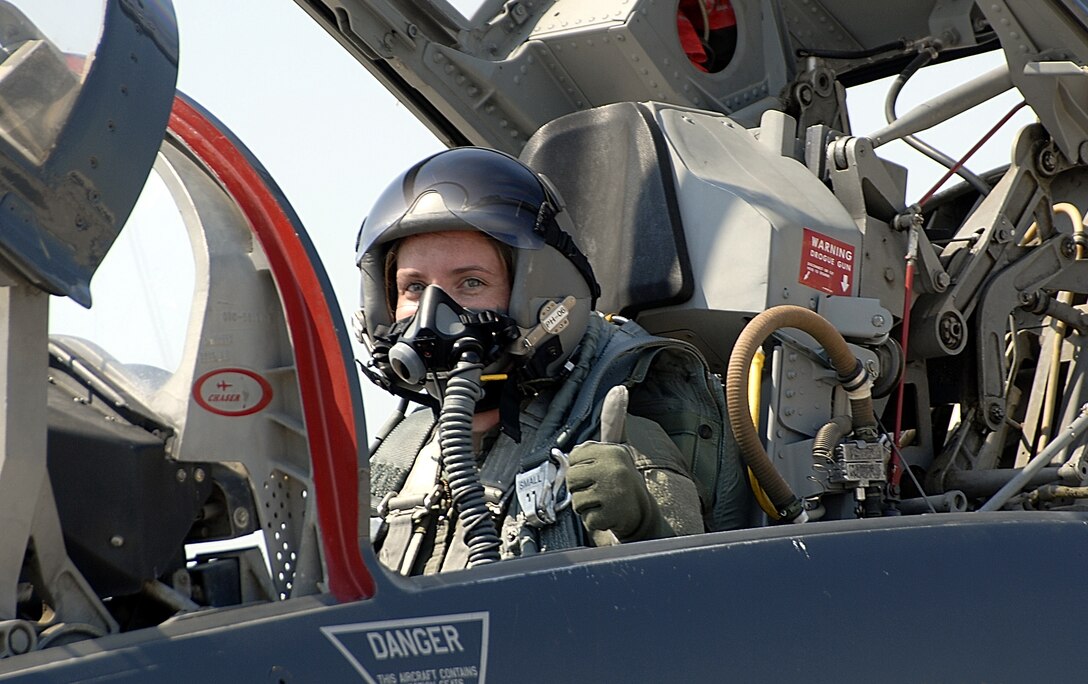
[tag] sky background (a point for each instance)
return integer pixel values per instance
(332, 138)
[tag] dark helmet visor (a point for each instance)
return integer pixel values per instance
(486, 189)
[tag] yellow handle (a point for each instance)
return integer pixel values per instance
(755, 385)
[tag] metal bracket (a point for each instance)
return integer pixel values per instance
(1001, 297)
(984, 245)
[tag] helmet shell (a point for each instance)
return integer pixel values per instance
(477, 189)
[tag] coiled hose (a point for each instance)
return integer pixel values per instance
(463, 390)
(851, 374)
(828, 437)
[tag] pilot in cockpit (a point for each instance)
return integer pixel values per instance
(547, 425)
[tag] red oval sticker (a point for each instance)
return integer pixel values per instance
(232, 392)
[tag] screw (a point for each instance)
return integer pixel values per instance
(241, 517)
(878, 321)
(950, 330)
(117, 541)
(198, 474)
(996, 412)
(1068, 248)
(181, 475)
(1047, 162)
(804, 94)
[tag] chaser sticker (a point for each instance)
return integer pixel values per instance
(448, 649)
(827, 264)
(232, 392)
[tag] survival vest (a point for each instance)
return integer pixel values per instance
(670, 384)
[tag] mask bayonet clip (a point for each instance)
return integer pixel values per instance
(553, 319)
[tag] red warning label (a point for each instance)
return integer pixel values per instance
(827, 264)
(232, 392)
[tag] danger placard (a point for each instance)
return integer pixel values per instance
(444, 649)
(827, 264)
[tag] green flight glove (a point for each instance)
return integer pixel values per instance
(607, 490)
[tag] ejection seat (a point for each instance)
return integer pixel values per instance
(627, 222)
(613, 170)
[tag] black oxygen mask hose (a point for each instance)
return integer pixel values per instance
(463, 389)
(444, 348)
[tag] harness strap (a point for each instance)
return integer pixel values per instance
(393, 460)
(565, 533)
(409, 513)
(625, 351)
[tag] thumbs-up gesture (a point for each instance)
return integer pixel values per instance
(607, 490)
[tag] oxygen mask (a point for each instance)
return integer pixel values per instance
(429, 344)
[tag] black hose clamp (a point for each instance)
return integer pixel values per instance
(856, 379)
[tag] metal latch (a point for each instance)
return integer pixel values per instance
(538, 490)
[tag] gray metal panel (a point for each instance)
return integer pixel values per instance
(497, 79)
(237, 324)
(855, 24)
(746, 207)
(498, 82)
(1046, 50)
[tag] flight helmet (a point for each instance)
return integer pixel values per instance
(478, 189)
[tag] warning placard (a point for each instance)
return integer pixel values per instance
(445, 649)
(827, 264)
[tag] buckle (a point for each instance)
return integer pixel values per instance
(538, 490)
